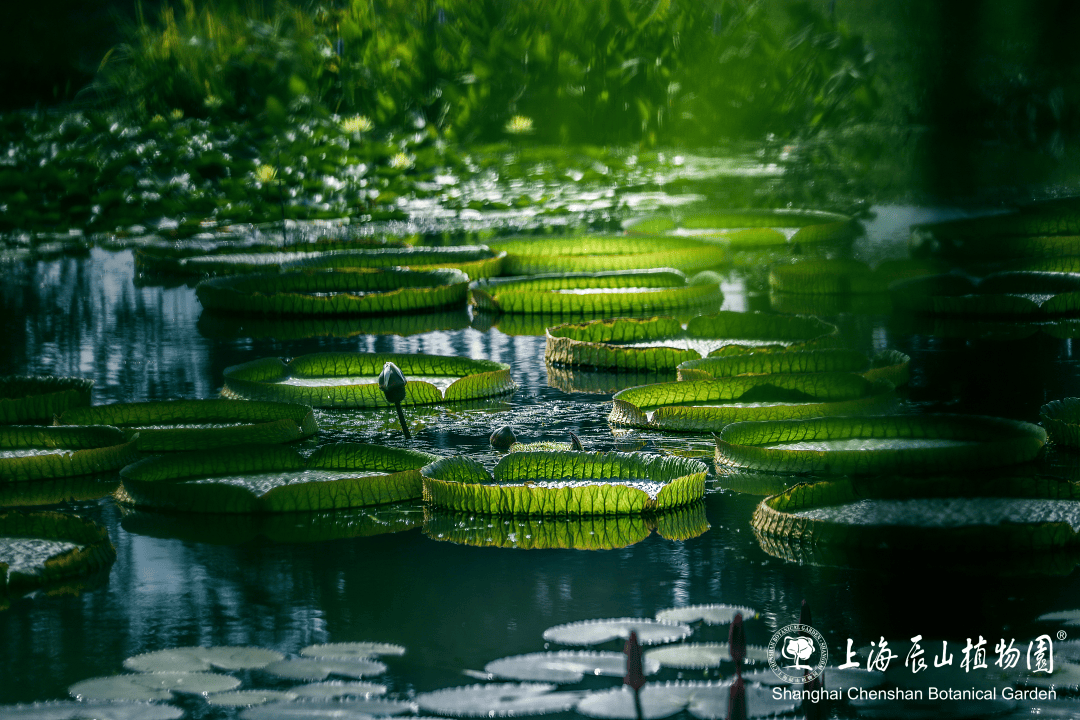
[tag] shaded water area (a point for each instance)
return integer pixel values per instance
(202, 580)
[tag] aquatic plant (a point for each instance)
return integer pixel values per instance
(26, 399)
(350, 379)
(30, 452)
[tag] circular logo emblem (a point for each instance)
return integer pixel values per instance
(797, 654)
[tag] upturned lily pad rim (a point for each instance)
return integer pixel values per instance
(1000, 294)
(262, 379)
(1061, 418)
(94, 549)
(785, 534)
(592, 343)
(1001, 442)
(891, 365)
(464, 485)
(159, 481)
(29, 398)
(96, 449)
(648, 630)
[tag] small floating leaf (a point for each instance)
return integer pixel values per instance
(195, 659)
(97, 710)
(341, 651)
(344, 710)
(151, 686)
(564, 666)
(595, 632)
(709, 614)
(249, 697)
(697, 656)
(498, 699)
(337, 689)
(318, 669)
(657, 701)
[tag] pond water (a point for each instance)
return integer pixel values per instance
(181, 581)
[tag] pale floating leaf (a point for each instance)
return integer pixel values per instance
(1068, 650)
(565, 666)
(337, 689)
(934, 709)
(1060, 616)
(76, 710)
(312, 669)
(355, 650)
(196, 659)
(715, 614)
(151, 686)
(498, 699)
(594, 632)
(697, 656)
(307, 711)
(657, 701)
(249, 697)
(372, 707)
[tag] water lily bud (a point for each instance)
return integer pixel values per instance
(392, 383)
(804, 614)
(635, 673)
(737, 700)
(503, 438)
(575, 442)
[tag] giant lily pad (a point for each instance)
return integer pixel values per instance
(351, 650)
(498, 700)
(710, 405)
(199, 659)
(1017, 295)
(608, 294)
(476, 261)
(898, 444)
(565, 483)
(598, 253)
(752, 228)
(322, 668)
(848, 519)
(697, 656)
(889, 365)
(41, 549)
(660, 343)
(571, 533)
(596, 632)
(28, 452)
(715, 614)
(361, 291)
(151, 686)
(564, 666)
(1048, 227)
(98, 710)
(199, 424)
(231, 327)
(350, 379)
(272, 479)
(1061, 418)
(37, 399)
(816, 276)
(702, 700)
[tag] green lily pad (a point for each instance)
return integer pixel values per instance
(660, 343)
(98, 710)
(361, 291)
(322, 668)
(710, 405)
(698, 656)
(869, 444)
(353, 650)
(199, 424)
(564, 666)
(818, 276)
(498, 700)
(609, 294)
(1015, 295)
(350, 379)
(598, 253)
(216, 325)
(889, 365)
(1061, 418)
(476, 261)
(752, 228)
(80, 488)
(272, 479)
(37, 399)
(248, 698)
(1045, 227)
(564, 483)
(596, 632)
(29, 452)
(197, 659)
(715, 614)
(42, 549)
(849, 520)
(151, 686)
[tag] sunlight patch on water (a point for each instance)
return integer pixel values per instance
(32, 452)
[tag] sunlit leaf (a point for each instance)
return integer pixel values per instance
(595, 632)
(320, 669)
(195, 659)
(498, 700)
(151, 686)
(709, 614)
(565, 666)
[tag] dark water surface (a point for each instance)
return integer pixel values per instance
(214, 581)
